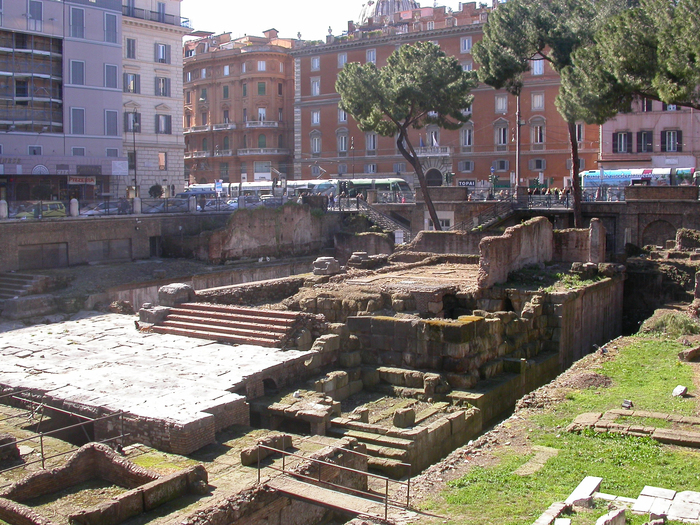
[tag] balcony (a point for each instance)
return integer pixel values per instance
(261, 124)
(434, 151)
(155, 16)
(223, 152)
(263, 151)
(227, 125)
(197, 154)
(197, 129)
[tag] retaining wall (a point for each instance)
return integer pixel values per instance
(466, 243)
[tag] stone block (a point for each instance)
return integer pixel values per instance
(341, 393)
(404, 417)
(614, 517)
(689, 354)
(359, 324)
(350, 359)
(163, 490)
(414, 379)
(362, 413)
(175, 294)
(356, 387)
(370, 377)
(326, 266)
(9, 451)
(383, 326)
(154, 315)
(584, 491)
(29, 306)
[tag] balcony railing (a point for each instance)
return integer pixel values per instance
(227, 125)
(434, 151)
(223, 153)
(261, 124)
(155, 16)
(263, 151)
(197, 154)
(196, 129)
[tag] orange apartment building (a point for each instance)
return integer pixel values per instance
(328, 143)
(238, 107)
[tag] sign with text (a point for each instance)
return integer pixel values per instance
(77, 179)
(468, 183)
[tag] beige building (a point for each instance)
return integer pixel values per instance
(152, 34)
(238, 107)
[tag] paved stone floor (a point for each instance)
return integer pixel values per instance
(102, 360)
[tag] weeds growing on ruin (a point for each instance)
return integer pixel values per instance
(672, 325)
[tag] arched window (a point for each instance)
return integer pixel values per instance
(262, 141)
(316, 143)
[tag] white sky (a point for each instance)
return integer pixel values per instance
(289, 17)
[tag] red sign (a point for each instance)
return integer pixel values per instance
(77, 179)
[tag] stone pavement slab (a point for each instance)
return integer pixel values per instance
(656, 492)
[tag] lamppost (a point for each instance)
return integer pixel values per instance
(352, 151)
(134, 124)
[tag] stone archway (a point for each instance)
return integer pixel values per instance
(658, 232)
(433, 177)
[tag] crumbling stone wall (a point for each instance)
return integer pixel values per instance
(8, 448)
(446, 242)
(260, 292)
(372, 243)
(687, 240)
(580, 245)
(520, 246)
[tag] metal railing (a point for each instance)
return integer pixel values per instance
(319, 479)
(155, 16)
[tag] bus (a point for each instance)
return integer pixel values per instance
(637, 177)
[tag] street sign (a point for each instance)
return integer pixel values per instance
(492, 169)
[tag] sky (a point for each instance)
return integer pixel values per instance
(311, 18)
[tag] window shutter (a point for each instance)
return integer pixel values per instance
(167, 87)
(629, 143)
(650, 141)
(664, 107)
(156, 87)
(614, 142)
(664, 136)
(137, 84)
(544, 164)
(125, 86)
(158, 130)
(167, 54)
(169, 125)
(531, 164)
(679, 134)
(640, 142)
(155, 52)
(126, 121)
(506, 165)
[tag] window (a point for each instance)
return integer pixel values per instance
(342, 115)
(371, 143)
(672, 141)
(203, 95)
(371, 56)
(188, 121)
(188, 97)
(316, 117)
(316, 144)
(21, 89)
(162, 55)
(34, 20)
(132, 122)
(162, 160)
(315, 87)
(226, 144)
(223, 171)
(34, 150)
(225, 92)
(205, 145)
(203, 73)
(538, 133)
(501, 136)
(112, 152)
(262, 65)
(647, 105)
(110, 28)
(669, 107)
(227, 70)
(161, 12)
(500, 165)
(111, 126)
(204, 118)
(77, 72)
(132, 83)
(399, 167)
(190, 52)
(280, 87)
(162, 87)
(538, 101)
(621, 142)
(77, 121)
(465, 45)
(579, 132)
(465, 166)
(262, 114)
(261, 88)
(430, 25)
(466, 136)
(77, 22)
(245, 114)
(370, 168)
(537, 164)
(131, 48)
(315, 63)
(281, 67)
(342, 145)
(342, 169)
(645, 141)
(78, 151)
(280, 114)
(581, 164)
(537, 66)
(164, 124)
(244, 67)
(188, 76)
(501, 103)
(342, 60)
(111, 76)
(467, 66)
(245, 90)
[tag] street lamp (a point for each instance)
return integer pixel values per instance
(352, 151)
(134, 124)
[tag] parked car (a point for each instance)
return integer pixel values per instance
(47, 209)
(101, 208)
(220, 205)
(166, 206)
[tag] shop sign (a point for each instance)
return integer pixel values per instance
(77, 179)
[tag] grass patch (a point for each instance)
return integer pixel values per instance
(646, 372)
(570, 281)
(161, 462)
(672, 325)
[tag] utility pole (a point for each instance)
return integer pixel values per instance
(134, 123)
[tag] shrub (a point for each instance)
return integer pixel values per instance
(671, 324)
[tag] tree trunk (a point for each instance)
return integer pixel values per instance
(411, 156)
(575, 179)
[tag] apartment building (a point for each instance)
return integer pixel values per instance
(238, 107)
(151, 43)
(653, 135)
(60, 99)
(327, 140)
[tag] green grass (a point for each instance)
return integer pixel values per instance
(645, 372)
(672, 325)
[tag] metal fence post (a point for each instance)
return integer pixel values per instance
(258, 464)
(386, 498)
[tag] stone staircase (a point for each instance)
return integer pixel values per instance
(230, 324)
(491, 216)
(386, 222)
(15, 285)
